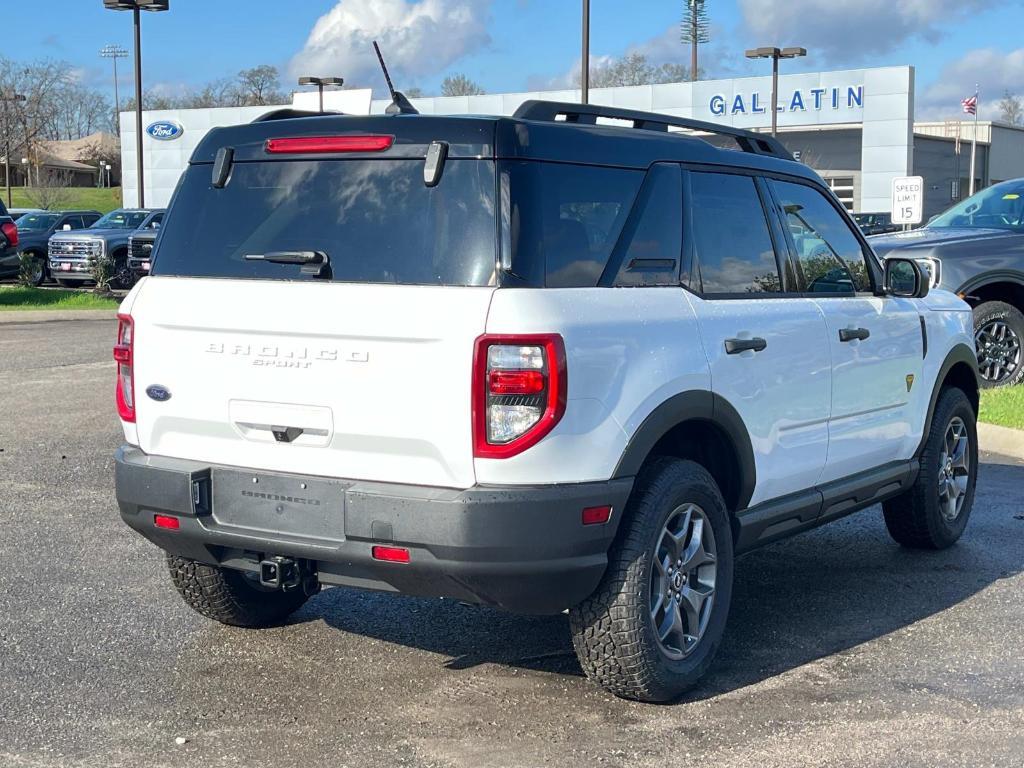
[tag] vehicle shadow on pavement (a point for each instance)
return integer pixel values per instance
(794, 602)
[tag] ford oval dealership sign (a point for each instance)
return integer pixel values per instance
(165, 130)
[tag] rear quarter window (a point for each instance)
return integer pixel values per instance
(566, 219)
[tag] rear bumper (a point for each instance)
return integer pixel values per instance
(523, 549)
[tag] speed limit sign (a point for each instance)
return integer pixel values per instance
(907, 200)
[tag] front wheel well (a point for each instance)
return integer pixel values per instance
(964, 378)
(1005, 291)
(708, 444)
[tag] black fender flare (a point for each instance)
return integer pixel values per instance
(693, 405)
(960, 353)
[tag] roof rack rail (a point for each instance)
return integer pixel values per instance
(748, 141)
(288, 113)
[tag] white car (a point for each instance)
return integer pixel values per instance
(539, 363)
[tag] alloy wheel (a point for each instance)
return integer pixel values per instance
(683, 581)
(999, 351)
(954, 469)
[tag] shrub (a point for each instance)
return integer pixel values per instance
(26, 269)
(102, 269)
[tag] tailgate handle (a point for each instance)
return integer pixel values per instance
(283, 434)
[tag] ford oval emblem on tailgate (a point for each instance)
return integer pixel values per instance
(158, 393)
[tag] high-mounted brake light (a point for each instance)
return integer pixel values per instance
(519, 392)
(124, 356)
(10, 231)
(306, 145)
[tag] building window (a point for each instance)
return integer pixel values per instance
(842, 186)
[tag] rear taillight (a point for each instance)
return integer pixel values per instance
(519, 391)
(124, 354)
(304, 145)
(10, 233)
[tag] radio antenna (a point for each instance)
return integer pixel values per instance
(399, 105)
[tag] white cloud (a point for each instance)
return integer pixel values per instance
(994, 71)
(849, 30)
(419, 38)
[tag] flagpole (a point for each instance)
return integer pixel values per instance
(974, 141)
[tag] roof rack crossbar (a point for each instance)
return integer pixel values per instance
(549, 111)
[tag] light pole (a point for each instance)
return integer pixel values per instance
(7, 98)
(585, 58)
(320, 82)
(775, 54)
(115, 52)
(28, 172)
(135, 6)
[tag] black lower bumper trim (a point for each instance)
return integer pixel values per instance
(523, 549)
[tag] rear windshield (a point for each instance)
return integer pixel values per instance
(376, 221)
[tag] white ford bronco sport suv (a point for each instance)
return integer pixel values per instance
(576, 359)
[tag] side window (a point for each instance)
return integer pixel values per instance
(828, 255)
(565, 219)
(74, 221)
(648, 251)
(155, 222)
(730, 235)
(90, 218)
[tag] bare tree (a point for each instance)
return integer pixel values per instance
(1011, 110)
(634, 69)
(460, 85)
(51, 191)
(260, 85)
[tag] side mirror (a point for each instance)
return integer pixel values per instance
(66, 228)
(905, 278)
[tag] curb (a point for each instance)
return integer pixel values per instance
(53, 315)
(1001, 440)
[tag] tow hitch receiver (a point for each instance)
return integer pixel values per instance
(286, 574)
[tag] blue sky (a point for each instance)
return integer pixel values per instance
(518, 44)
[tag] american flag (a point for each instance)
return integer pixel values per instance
(970, 104)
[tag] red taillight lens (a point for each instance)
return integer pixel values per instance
(390, 554)
(519, 392)
(304, 145)
(10, 233)
(515, 382)
(124, 354)
(167, 522)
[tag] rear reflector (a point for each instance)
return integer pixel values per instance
(597, 515)
(166, 521)
(516, 382)
(304, 145)
(390, 554)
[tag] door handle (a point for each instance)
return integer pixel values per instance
(853, 334)
(735, 346)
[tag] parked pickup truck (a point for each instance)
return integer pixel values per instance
(35, 230)
(71, 253)
(976, 249)
(140, 252)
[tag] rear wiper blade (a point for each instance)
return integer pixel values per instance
(316, 263)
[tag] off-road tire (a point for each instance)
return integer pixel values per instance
(41, 260)
(914, 518)
(990, 311)
(612, 630)
(230, 597)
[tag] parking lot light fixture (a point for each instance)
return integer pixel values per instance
(135, 6)
(115, 52)
(7, 99)
(321, 83)
(775, 54)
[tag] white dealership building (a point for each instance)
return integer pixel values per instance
(855, 127)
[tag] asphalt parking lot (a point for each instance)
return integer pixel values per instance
(843, 649)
